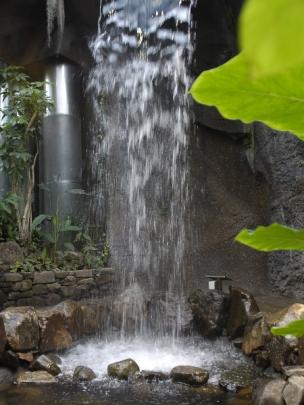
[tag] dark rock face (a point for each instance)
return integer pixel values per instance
(9, 359)
(122, 369)
(10, 253)
(210, 311)
(242, 307)
(6, 376)
(54, 333)
(21, 328)
(44, 363)
(151, 376)
(82, 373)
(189, 375)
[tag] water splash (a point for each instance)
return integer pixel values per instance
(139, 86)
(55, 11)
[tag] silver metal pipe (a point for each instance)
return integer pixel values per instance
(60, 168)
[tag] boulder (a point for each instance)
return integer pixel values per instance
(56, 359)
(35, 377)
(290, 371)
(21, 328)
(210, 312)
(268, 392)
(10, 253)
(189, 375)
(54, 332)
(26, 357)
(122, 369)
(82, 373)
(152, 376)
(235, 379)
(242, 307)
(293, 392)
(44, 363)
(257, 334)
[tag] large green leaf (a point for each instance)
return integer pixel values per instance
(272, 34)
(278, 101)
(272, 237)
(39, 219)
(295, 328)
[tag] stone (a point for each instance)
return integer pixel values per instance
(23, 285)
(3, 338)
(238, 343)
(10, 253)
(82, 373)
(289, 371)
(268, 392)
(39, 289)
(26, 357)
(35, 377)
(122, 369)
(53, 287)
(68, 291)
(54, 333)
(234, 379)
(210, 311)
(45, 363)
(52, 299)
(261, 359)
(9, 359)
(60, 274)
(12, 277)
(136, 378)
(242, 307)
(152, 376)
(17, 295)
(86, 282)
(21, 328)
(279, 352)
(56, 359)
(74, 317)
(44, 277)
(86, 273)
(104, 276)
(189, 375)
(257, 334)
(293, 392)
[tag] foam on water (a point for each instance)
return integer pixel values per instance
(157, 355)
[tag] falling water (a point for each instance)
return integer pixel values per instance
(139, 85)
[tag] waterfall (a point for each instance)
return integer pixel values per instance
(55, 11)
(139, 85)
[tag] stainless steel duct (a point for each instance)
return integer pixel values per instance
(60, 166)
(3, 178)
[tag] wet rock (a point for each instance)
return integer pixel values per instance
(122, 369)
(189, 375)
(3, 338)
(238, 343)
(44, 363)
(208, 389)
(257, 334)
(210, 311)
(44, 277)
(82, 373)
(235, 379)
(279, 352)
(151, 376)
(268, 392)
(10, 253)
(293, 392)
(6, 376)
(242, 307)
(9, 359)
(262, 359)
(56, 359)
(21, 328)
(54, 333)
(289, 371)
(35, 377)
(26, 357)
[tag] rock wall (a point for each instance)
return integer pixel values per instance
(45, 288)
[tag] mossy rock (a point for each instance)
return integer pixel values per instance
(123, 369)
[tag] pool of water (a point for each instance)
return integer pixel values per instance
(218, 357)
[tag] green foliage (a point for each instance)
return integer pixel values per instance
(92, 257)
(295, 328)
(32, 263)
(8, 226)
(277, 101)
(19, 129)
(272, 237)
(272, 35)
